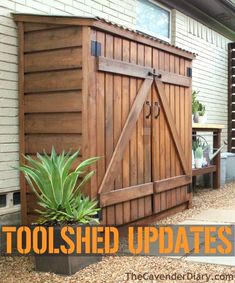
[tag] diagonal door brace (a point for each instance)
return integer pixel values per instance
(125, 136)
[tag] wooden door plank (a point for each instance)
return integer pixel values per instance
(109, 127)
(126, 194)
(171, 183)
(147, 138)
(140, 135)
(100, 123)
(133, 141)
(117, 116)
(160, 87)
(125, 135)
(125, 111)
(138, 71)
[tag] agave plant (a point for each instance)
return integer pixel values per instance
(57, 189)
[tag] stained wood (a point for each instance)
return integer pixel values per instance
(86, 33)
(147, 139)
(68, 58)
(70, 102)
(68, 123)
(125, 135)
(92, 95)
(171, 124)
(204, 170)
(40, 142)
(117, 121)
(21, 120)
(106, 27)
(109, 126)
(171, 183)
(217, 159)
(129, 69)
(126, 194)
(133, 140)
(53, 81)
(53, 39)
(149, 220)
(143, 39)
(39, 26)
(53, 102)
(140, 135)
(125, 111)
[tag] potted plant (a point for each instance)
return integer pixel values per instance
(202, 114)
(198, 157)
(61, 203)
(195, 105)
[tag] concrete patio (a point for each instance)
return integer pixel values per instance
(212, 216)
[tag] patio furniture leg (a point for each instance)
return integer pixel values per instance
(216, 145)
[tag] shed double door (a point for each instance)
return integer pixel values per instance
(147, 170)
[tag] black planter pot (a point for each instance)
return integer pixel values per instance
(63, 264)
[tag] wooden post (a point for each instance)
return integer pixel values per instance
(216, 145)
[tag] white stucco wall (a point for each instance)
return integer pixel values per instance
(209, 69)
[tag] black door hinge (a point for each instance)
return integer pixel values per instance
(95, 48)
(190, 188)
(189, 72)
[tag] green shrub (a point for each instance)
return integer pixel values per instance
(57, 190)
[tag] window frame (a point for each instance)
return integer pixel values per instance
(9, 208)
(138, 28)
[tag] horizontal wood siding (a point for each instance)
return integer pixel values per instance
(53, 123)
(53, 81)
(52, 93)
(52, 39)
(68, 58)
(53, 102)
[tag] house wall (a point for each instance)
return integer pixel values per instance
(209, 69)
(210, 75)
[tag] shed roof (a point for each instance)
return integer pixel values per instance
(104, 24)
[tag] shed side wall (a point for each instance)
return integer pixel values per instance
(52, 93)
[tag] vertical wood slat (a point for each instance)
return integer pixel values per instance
(117, 114)
(109, 120)
(125, 112)
(162, 127)
(21, 120)
(156, 174)
(147, 138)
(100, 124)
(182, 120)
(133, 141)
(140, 125)
(173, 151)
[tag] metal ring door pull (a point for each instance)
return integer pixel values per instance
(157, 104)
(150, 109)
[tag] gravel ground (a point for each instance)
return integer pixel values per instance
(115, 269)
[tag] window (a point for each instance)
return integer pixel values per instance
(9, 202)
(153, 19)
(3, 200)
(16, 198)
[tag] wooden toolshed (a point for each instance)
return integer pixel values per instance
(90, 84)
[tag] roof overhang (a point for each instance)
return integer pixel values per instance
(218, 15)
